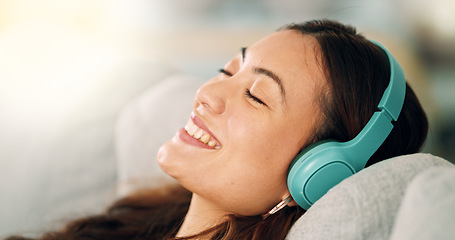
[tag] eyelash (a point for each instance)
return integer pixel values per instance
(247, 91)
(223, 71)
(248, 94)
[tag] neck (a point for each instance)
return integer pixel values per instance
(202, 215)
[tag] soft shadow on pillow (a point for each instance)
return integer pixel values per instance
(146, 123)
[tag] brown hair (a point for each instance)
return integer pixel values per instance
(158, 213)
(357, 73)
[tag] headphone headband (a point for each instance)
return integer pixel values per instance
(393, 98)
(380, 124)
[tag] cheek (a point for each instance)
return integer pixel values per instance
(264, 144)
(260, 169)
(274, 148)
(243, 189)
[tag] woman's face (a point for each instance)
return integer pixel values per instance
(253, 117)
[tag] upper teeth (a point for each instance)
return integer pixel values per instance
(200, 134)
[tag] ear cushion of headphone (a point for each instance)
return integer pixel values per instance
(317, 169)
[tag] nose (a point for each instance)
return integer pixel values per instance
(211, 97)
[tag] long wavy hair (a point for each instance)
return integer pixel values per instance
(357, 74)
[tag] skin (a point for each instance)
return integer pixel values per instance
(247, 174)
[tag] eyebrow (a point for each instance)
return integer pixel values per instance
(275, 78)
(268, 73)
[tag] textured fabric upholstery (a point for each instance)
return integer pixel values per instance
(428, 208)
(365, 205)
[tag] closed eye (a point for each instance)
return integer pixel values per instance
(247, 91)
(223, 71)
(254, 98)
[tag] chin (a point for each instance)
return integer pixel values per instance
(163, 158)
(170, 159)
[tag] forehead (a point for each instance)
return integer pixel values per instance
(287, 42)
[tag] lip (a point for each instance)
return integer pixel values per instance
(185, 137)
(198, 122)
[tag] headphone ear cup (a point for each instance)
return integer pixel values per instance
(316, 170)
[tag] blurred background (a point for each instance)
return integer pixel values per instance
(68, 67)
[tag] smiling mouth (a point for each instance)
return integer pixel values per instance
(201, 135)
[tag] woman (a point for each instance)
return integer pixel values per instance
(302, 84)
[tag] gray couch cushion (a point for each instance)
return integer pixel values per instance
(365, 205)
(428, 208)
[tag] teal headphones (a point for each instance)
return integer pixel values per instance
(324, 164)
